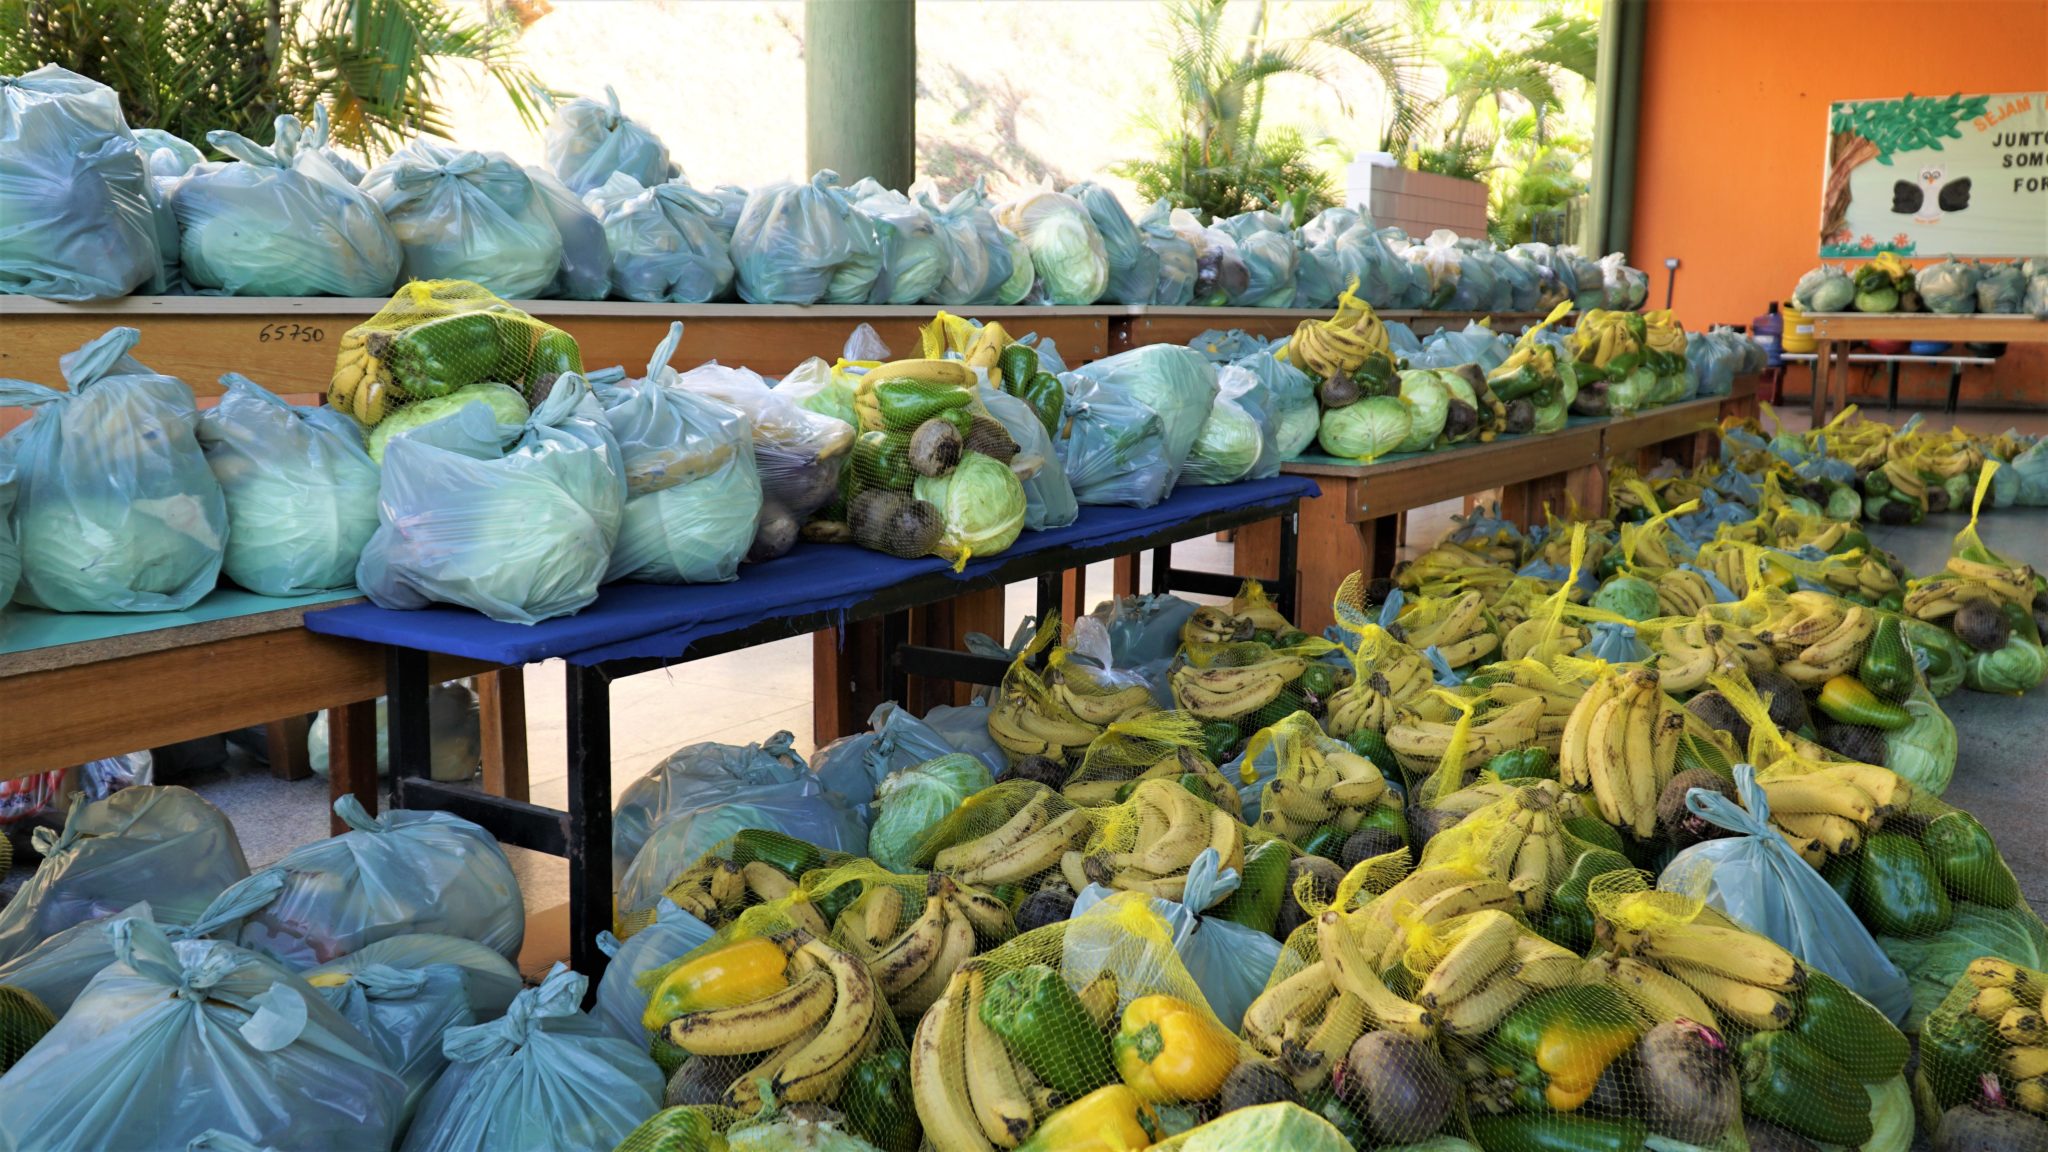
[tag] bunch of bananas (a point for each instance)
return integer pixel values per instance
(1556, 549)
(1309, 1021)
(1738, 566)
(2012, 584)
(1529, 680)
(1905, 481)
(1818, 636)
(1742, 977)
(1695, 650)
(1647, 547)
(1459, 629)
(1248, 614)
(1343, 343)
(1458, 806)
(1867, 578)
(1233, 691)
(1683, 592)
(1173, 826)
(1372, 700)
(939, 374)
(1319, 785)
(1029, 843)
(1524, 840)
(817, 1012)
(1490, 964)
(2008, 998)
(361, 385)
(1940, 597)
(1831, 809)
(1059, 716)
(1542, 639)
(1611, 341)
(1621, 743)
(1420, 744)
(913, 964)
(716, 890)
(1184, 767)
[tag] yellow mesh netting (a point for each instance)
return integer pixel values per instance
(436, 337)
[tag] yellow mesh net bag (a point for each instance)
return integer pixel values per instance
(1385, 674)
(1161, 746)
(753, 866)
(1986, 1042)
(912, 930)
(439, 337)
(1031, 716)
(1250, 684)
(1319, 784)
(1460, 627)
(1147, 843)
(1018, 832)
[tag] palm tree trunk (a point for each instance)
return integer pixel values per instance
(1849, 151)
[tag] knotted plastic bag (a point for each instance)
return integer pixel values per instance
(174, 1039)
(695, 775)
(281, 221)
(586, 271)
(671, 935)
(1066, 248)
(797, 452)
(589, 140)
(914, 259)
(791, 241)
(396, 873)
(1048, 494)
(664, 241)
(1229, 962)
(545, 1075)
(1133, 265)
(301, 491)
(161, 844)
(1179, 266)
(978, 261)
(1757, 880)
(115, 507)
(80, 218)
(464, 215)
(1266, 244)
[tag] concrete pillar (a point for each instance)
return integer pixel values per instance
(860, 89)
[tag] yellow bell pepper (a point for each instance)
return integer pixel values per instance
(1109, 1119)
(738, 973)
(1169, 1051)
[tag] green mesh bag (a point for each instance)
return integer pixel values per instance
(23, 1021)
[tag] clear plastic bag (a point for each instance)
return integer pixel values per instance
(978, 261)
(694, 775)
(797, 452)
(790, 239)
(1133, 266)
(1265, 243)
(115, 507)
(80, 218)
(1048, 496)
(1178, 265)
(545, 1075)
(852, 766)
(2001, 288)
(166, 155)
(10, 548)
(1237, 440)
(1758, 880)
(1176, 382)
(301, 491)
(280, 221)
(1291, 401)
(914, 260)
(1626, 287)
(671, 935)
(455, 732)
(1067, 254)
(175, 1039)
(586, 271)
(463, 215)
(390, 875)
(1319, 275)
(732, 200)
(1949, 288)
(165, 845)
(1113, 448)
(693, 494)
(1229, 962)
(801, 808)
(589, 140)
(521, 537)
(664, 241)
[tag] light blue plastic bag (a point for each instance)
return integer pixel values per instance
(664, 241)
(280, 221)
(301, 491)
(167, 155)
(520, 538)
(621, 1001)
(1760, 882)
(586, 271)
(80, 218)
(1178, 383)
(914, 258)
(693, 492)
(695, 775)
(174, 1039)
(1113, 448)
(790, 239)
(544, 1076)
(853, 766)
(1177, 260)
(977, 260)
(10, 548)
(1229, 962)
(1133, 266)
(1615, 643)
(1048, 496)
(402, 993)
(115, 507)
(465, 215)
(589, 140)
(390, 875)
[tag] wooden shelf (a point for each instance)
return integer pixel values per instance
(1928, 326)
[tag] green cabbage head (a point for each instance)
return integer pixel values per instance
(910, 801)
(1366, 430)
(2010, 670)
(1924, 751)
(505, 402)
(1227, 447)
(1630, 596)
(1429, 401)
(981, 502)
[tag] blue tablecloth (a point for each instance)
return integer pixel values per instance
(661, 620)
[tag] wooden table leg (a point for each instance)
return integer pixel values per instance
(501, 704)
(1823, 379)
(285, 742)
(1123, 575)
(1330, 546)
(352, 757)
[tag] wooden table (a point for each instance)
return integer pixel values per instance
(71, 703)
(1149, 324)
(1955, 364)
(1832, 328)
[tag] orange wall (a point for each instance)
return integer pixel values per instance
(1734, 128)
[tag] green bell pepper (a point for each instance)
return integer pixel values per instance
(1556, 1044)
(1533, 762)
(1387, 816)
(876, 1101)
(882, 460)
(1793, 1084)
(1257, 901)
(1219, 737)
(1840, 873)
(1876, 483)
(905, 403)
(1373, 747)
(1319, 678)
(1567, 916)
(1015, 366)
(1595, 832)
(438, 356)
(1540, 1132)
(1892, 602)
(1846, 1027)
(1968, 863)
(2021, 617)
(1887, 668)
(1326, 841)
(787, 854)
(1955, 1056)
(1898, 891)
(1046, 1027)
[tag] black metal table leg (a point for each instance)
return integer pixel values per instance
(895, 634)
(1162, 570)
(1955, 387)
(410, 733)
(1289, 582)
(1048, 598)
(1891, 398)
(589, 819)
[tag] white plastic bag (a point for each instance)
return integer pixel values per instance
(301, 491)
(521, 537)
(174, 1039)
(797, 452)
(693, 493)
(80, 218)
(280, 221)
(389, 875)
(164, 845)
(589, 140)
(586, 271)
(621, 1002)
(115, 508)
(463, 215)
(545, 1075)
(1760, 882)
(664, 241)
